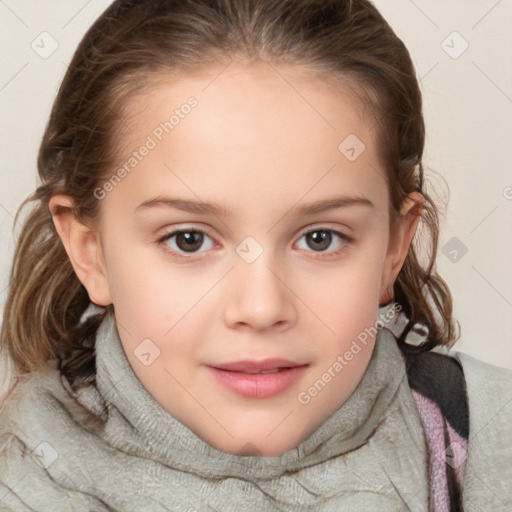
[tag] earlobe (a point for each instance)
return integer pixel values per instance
(83, 247)
(400, 241)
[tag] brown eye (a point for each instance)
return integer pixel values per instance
(319, 240)
(187, 241)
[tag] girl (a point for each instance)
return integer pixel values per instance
(215, 300)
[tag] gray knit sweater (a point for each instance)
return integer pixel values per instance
(368, 456)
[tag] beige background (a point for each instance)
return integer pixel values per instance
(468, 110)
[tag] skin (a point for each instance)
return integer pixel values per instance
(257, 146)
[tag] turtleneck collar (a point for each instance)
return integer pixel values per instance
(152, 432)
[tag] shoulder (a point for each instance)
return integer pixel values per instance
(28, 412)
(447, 375)
(489, 390)
(43, 406)
(30, 391)
(20, 437)
(38, 401)
(476, 399)
(486, 375)
(34, 393)
(489, 459)
(38, 416)
(443, 372)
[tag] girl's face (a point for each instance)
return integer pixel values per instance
(273, 182)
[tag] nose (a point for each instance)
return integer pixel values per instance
(259, 297)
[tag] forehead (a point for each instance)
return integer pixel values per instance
(260, 94)
(253, 128)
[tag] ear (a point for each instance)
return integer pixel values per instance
(83, 247)
(400, 239)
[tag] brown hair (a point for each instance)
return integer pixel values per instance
(134, 42)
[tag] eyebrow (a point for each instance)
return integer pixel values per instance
(206, 207)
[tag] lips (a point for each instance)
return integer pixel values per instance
(265, 366)
(258, 379)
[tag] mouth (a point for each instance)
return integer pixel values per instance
(261, 379)
(264, 366)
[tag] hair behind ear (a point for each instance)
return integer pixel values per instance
(423, 294)
(45, 301)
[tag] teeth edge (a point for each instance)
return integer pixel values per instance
(275, 370)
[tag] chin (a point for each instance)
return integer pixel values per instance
(258, 446)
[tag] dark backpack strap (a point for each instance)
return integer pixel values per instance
(439, 391)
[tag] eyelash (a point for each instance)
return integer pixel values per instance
(323, 255)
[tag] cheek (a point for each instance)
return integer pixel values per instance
(138, 287)
(346, 301)
(153, 297)
(351, 288)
